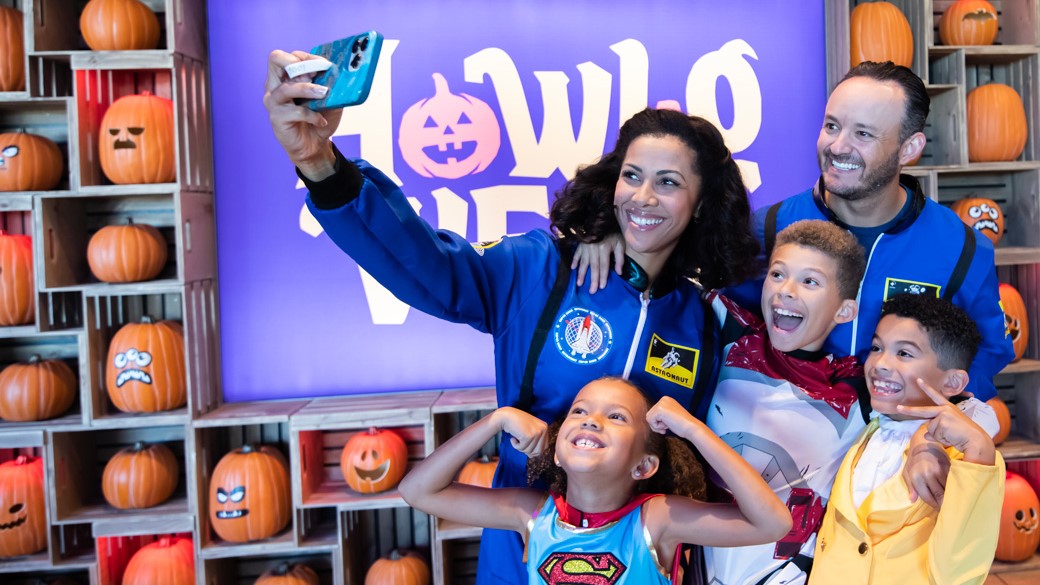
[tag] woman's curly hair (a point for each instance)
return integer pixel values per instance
(679, 470)
(717, 247)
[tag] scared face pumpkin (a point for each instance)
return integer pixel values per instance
(23, 521)
(449, 136)
(982, 215)
(145, 371)
(374, 461)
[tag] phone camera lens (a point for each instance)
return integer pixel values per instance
(356, 46)
(364, 43)
(355, 62)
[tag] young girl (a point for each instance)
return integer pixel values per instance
(606, 465)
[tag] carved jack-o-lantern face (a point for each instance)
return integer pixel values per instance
(1019, 525)
(23, 522)
(374, 461)
(1026, 520)
(449, 136)
(231, 497)
(124, 137)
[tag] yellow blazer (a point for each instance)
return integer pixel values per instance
(889, 540)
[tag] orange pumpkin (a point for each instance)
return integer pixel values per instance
(479, 472)
(1003, 419)
(29, 163)
(126, 253)
(17, 290)
(1016, 320)
(249, 497)
(982, 215)
(968, 22)
(1019, 524)
(996, 122)
(36, 390)
(12, 50)
(145, 368)
(119, 25)
(140, 476)
(169, 560)
(137, 143)
(399, 569)
(880, 32)
(286, 574)
(374, 461)
(23, 518)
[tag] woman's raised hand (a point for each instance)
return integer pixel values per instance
(302, 132)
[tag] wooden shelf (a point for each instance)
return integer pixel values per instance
(1013, 255)
(175, 507)
(448, 530)
(1015, 447)
(281, 543)
(1022, 366)
(1032, 564)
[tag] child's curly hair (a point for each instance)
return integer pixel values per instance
(679, 472)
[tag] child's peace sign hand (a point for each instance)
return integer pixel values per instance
(948, 425)
(529, 433)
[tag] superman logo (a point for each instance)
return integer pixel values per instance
(566, 568)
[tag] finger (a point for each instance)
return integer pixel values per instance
(276, 63)
(604, 267)
(920, 411)
(582, 267)
(619, 256)
(936, 396)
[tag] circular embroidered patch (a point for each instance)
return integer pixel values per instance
(582, 336)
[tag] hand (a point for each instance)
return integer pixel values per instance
(595, 260)
(302, 132)
(927, 467)
(669, 415)
(530, 434)
(948, 425)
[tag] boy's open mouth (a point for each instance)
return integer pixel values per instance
(786, 320)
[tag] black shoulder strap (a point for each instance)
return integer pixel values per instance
(770, 227)
(706, 366)
(545, 322)
(963, 264)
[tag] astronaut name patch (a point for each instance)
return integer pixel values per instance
(896, 286)
(582, 336)
(675, 363)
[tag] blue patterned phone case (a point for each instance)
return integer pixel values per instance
(353, 68)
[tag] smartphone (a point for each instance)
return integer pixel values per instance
(353, 67)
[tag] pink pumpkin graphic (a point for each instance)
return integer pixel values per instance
(448, 135)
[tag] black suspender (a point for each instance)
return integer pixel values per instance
(770, 228)
(545, 323)
(960, 271)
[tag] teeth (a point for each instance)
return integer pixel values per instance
(787, 313)
(986, 224)
(644, 221)
(883, 387)
(844, 166)
(587, 444)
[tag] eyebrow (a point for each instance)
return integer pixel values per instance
(659, 173)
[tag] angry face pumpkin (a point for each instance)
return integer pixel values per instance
(249, 497)
(374, 461)
(23, 521)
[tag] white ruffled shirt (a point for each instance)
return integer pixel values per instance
(882, 456)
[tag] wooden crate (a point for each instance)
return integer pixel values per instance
(55, 27)
(29, 444)
(1017, 21)
(213, 438)
(1018, 194)
(65, 226)
(245, 570)
(1021, 71)
(321, 429)
(105, 316)
(77, 462)
(63, 347)
(916, 13)
(374, 533)
(459, 564)
(78, 576)
(102, 78)
(18, 5)
(114, 552)
(944, 130)
(50, 118)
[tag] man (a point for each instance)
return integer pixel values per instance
(872, 129)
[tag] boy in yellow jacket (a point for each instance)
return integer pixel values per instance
(872, 531)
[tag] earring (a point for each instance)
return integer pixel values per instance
(636, 474)
(556, 460)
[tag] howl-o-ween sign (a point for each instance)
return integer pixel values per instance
(145, 368)
(137, 143)
(374, 461)
(449, 136)
(249, 497)
(23, 523)
(982, 215)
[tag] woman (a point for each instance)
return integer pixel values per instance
(669, 186)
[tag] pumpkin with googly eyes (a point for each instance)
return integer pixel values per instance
(145, 369)
(983, 215)
(29, 162)
(137, 140)
(249, 497)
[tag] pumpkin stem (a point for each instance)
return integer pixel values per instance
(35, 358)
(373, 431)
(139, 446)
(147, 319)
(281, 570)
(21, 460)
(395, 555)
(440, 85)
(165, 542)
(247, 448)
